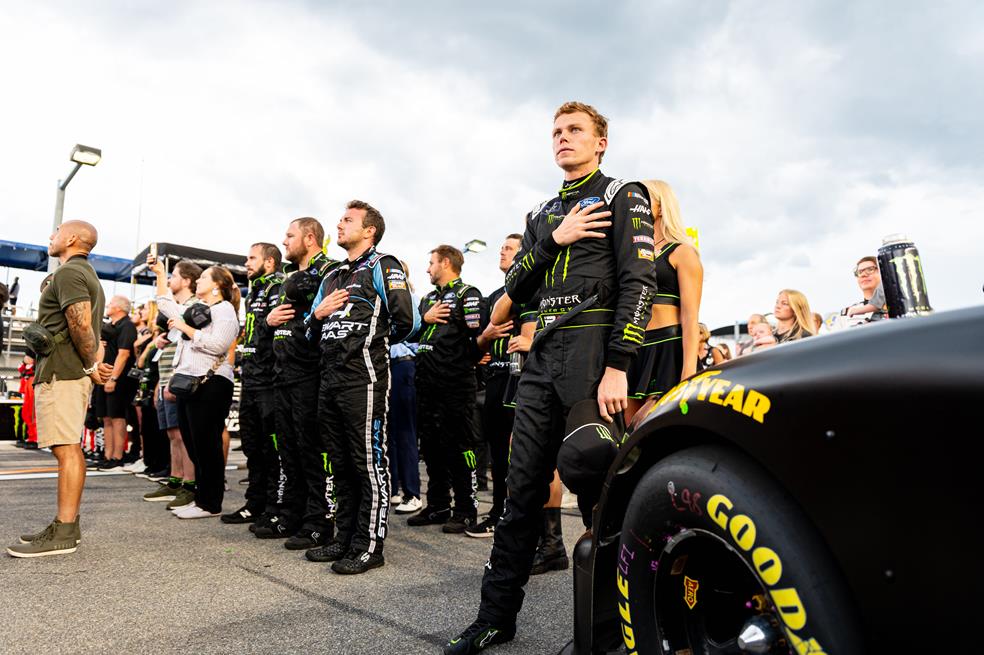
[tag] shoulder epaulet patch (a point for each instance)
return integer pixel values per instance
(612, 189)
(538, 208)
(464, 289)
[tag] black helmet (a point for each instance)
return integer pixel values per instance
(300, 289)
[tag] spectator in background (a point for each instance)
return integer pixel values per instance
(113, 401)
(873, 295)
(761, 337)
(725, 350)
(182, 283)
(793, 316)
(204, 354)
(404, 456)
(707, 355)
(817, 322)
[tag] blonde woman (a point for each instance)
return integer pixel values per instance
(793, 316)
(670, 350)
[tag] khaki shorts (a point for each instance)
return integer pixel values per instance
(59, 409)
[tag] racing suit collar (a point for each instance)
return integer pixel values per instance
(572, 189)
(364, 256)
(290, 267)
(450, 285)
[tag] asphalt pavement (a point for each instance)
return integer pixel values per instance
(143, 581)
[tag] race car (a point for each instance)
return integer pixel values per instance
(816, 497)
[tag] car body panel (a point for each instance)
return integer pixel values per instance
(872, 431)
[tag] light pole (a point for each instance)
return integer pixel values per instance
(82, 156)
(475, 245)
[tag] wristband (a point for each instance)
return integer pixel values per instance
(90, 370)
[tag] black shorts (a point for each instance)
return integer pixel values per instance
(116, 404)
(656, 369)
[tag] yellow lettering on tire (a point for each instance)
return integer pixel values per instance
(790, 607)
(743, 531)
(735, 398)
(714, 504)
(767, 564)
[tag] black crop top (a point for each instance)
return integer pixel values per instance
(667, 284)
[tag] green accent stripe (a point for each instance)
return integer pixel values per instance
(653, 343)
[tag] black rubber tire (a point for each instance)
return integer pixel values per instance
(767, 543)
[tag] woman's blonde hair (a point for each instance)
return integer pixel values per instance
(666, 207)
(801, 312)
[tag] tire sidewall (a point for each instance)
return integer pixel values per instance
(723, 493)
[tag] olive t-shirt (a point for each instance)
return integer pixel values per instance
(72, 282)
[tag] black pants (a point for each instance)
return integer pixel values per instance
(559, 372)
(257, 430)
(202, 419)
(156, 446)
(353, 426)
(304, 503)
(445, 424)
(497, 423)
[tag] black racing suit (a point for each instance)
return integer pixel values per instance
(354, 343)
(257, 423)
(497, 418)
(446, 387)
(304, 502)
(595, 302)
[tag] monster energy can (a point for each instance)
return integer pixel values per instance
(902, 277)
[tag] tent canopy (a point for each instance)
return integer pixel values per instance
(35, 258)
(32, 257)
(172, 253)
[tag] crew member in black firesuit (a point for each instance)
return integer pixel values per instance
(497, 419)
(596, 282)
(304, 513)
(257, 425)
(364, 304)
(446, 387)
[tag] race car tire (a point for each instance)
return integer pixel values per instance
(709, 541)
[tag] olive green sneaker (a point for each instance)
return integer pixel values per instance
(28, 538)
(182, 498)
(164, 494)
(57, 539)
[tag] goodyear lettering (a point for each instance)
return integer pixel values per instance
(768, 565)
(628, 635)
(707, 387)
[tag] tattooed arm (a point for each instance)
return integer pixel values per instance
(79, 317)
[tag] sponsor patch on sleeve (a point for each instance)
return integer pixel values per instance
(396, 284)
(637, 196)
(642, 238)
(645, 253)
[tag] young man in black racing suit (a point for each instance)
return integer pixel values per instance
(257, 425)
(363, 304)
(497, 419)
(446, 386)
(304, 513)
(596, 281)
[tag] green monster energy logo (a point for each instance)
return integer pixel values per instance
(248, 331)
(275, 446)
(604, 433)
(527, 261)
(17, 422)
(633, 333)
(636, 222)
(324, 458)
(429, 332)
(470, 461)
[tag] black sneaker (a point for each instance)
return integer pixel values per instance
(358, 562)
(330, 552)
(428, 516)
(305, 539)
(275, 528)
(458, 524)
(483, 529)
(30, 445)
(241, 515)
(110, 464)
(479, 636)
(95, 463)
(262, 519)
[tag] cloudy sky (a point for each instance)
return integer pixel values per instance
(796, 135)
